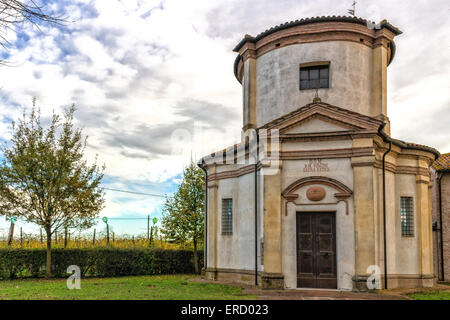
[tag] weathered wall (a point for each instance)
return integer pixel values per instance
(445, 192)
(236, 251)
(277, 79)
(404, 258)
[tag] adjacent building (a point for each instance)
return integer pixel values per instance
(441, 216)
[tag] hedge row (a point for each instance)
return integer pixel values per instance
(97, 262)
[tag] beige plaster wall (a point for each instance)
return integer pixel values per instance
(316, 145)
(237, 251)
(316, 125)
(406, 250)
(277, 78)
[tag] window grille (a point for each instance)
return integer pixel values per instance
(227, 216)
(407, 216)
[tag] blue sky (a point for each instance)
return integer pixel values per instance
(154, 86)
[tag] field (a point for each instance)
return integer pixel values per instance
(170, 287)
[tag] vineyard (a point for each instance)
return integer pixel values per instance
(81, 243)
(92, 240)
(154, 239)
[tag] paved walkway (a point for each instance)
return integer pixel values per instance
(312, 294)
(323, 295)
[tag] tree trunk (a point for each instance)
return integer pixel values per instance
(65, 237)
(48, 266)
(11, 234)
(195, 256)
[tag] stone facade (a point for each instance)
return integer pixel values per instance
(335, 157)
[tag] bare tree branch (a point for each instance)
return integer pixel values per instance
(14, 14)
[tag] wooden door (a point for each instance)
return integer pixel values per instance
(316, 250)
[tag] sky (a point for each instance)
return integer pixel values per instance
(154, 85)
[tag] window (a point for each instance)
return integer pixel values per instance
(407, 216)
(314, 76)
(227, 216)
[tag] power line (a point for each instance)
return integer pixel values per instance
(125, 218)
(139, 193)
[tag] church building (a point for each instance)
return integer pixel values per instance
(318, 194)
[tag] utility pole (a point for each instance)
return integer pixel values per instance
(93, 239)
(65, 237)
(148, 230)
(105, 220)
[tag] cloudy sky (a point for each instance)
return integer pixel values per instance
(154, 85)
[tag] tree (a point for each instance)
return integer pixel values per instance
(183, 212)
(44, 179)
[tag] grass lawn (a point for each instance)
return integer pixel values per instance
(433, 295)
(168, 287)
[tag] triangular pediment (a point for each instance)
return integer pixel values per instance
(317, 124)
(323, 118)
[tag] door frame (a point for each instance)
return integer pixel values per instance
(335, 243)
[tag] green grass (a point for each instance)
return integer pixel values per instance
(433, 295)
(168, 287)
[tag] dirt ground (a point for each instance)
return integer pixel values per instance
(313, 294)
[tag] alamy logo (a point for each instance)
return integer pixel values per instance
(374, 281)
(74, 281)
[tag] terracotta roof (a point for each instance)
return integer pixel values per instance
(383, 24)
(443, 163)
(350, 19)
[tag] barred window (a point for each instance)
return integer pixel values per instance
(314, 77)
(407, 216)
(227, 216)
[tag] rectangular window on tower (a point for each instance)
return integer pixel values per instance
(227, 216)
(407, 216)
(314, 75)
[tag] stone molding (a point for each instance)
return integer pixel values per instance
(342, 194)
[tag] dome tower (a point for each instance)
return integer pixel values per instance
(345, 58)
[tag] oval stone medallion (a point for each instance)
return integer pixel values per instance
(316, 193)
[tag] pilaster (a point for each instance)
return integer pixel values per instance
(364, 194)
(272, 277)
